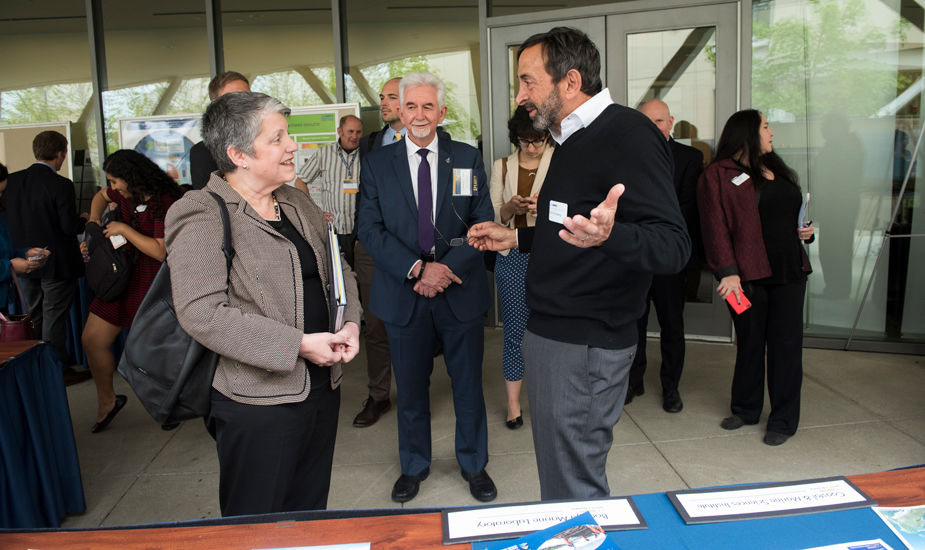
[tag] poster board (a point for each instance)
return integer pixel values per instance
(16, 145)
(313, 128)
(165, 139)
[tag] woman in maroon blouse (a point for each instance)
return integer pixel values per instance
(749, 202)
(143, 193)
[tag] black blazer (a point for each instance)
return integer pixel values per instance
(41, 210)
(688, 165)
(201, 165)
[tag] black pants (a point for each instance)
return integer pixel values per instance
(275, 458)
(667, 292)
(774, 322)
(49, 302)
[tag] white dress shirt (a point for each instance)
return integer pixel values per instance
(414, 163)
(582, 116)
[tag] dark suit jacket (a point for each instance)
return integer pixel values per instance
(201, 165)
(41, 210)
(389, 230)
(688, 165)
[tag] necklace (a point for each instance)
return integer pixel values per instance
(276, 207)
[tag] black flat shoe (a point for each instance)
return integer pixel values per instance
(168, 427)
(516, 423)
(121, 400)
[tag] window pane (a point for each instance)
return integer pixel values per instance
(387, 41)
(284, 47)
(35, 91)
(841, 83)
(154, 51)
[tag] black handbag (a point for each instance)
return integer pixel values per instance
(169, 371)
(109, 269)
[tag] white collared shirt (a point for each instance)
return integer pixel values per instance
(582, 116)
(414, 162)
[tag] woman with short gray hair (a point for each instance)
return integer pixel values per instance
(275, 395)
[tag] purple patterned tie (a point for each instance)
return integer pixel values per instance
(425, 205)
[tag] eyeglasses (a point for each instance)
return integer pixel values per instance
(459, 241)
(536, 144)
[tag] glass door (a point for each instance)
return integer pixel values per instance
(683, 56)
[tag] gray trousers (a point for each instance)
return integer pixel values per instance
(378, 356)
(576, 397)
(49, 302)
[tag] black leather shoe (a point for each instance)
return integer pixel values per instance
(100, 426)
(481, 486)
(734, 422)
(516, 423)
(774, 439)
(406, 488)
(632, 391)
(672, 402)
(371, 412)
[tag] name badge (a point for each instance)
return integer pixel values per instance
(740, 179)
(141, 208)
(558, 211)
(465, 183)
(350, 186)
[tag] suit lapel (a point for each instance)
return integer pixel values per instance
(403, 172)
(444, 171)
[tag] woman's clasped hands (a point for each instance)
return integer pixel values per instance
(325, 349)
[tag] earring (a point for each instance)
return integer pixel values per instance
(245, 166)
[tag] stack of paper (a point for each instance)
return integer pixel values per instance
(337, 295)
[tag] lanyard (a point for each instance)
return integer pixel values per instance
(349, 166)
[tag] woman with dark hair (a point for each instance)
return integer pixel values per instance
(515, 184)
(13, 260)
(143, 193)
(749, 202)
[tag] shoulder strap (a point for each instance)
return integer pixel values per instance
(503, 172)
(227, 246)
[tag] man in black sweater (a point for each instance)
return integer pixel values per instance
(591, 263)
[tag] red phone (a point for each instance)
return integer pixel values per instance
(738, 308)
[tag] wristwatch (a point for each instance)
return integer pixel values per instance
(421, 271)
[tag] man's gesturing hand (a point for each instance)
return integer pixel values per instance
(585, 233)
(490, 236)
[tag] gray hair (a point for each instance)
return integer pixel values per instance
(233, 120)
(413, 80)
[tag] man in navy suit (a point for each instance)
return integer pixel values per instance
(378, 358)
(420, 196)
(41, 210)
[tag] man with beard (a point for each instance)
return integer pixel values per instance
(419, 197)
(593, 262)
(339, 170)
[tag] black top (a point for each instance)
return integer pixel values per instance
(594, 296)
(201, 165)
(313, 300)
(778, 209)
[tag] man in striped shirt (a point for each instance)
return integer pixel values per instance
(338, 166)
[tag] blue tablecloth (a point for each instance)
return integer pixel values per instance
(668, 530)
(39, 471)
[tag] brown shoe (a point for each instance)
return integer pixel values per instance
(72, 376)
(371, 411)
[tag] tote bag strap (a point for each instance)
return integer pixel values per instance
(22, 299)
(227, 246)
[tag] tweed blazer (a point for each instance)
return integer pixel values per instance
(731, 225)
(257, 328)
(502, 191)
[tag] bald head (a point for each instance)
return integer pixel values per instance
(657, 111)
(350, 131)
